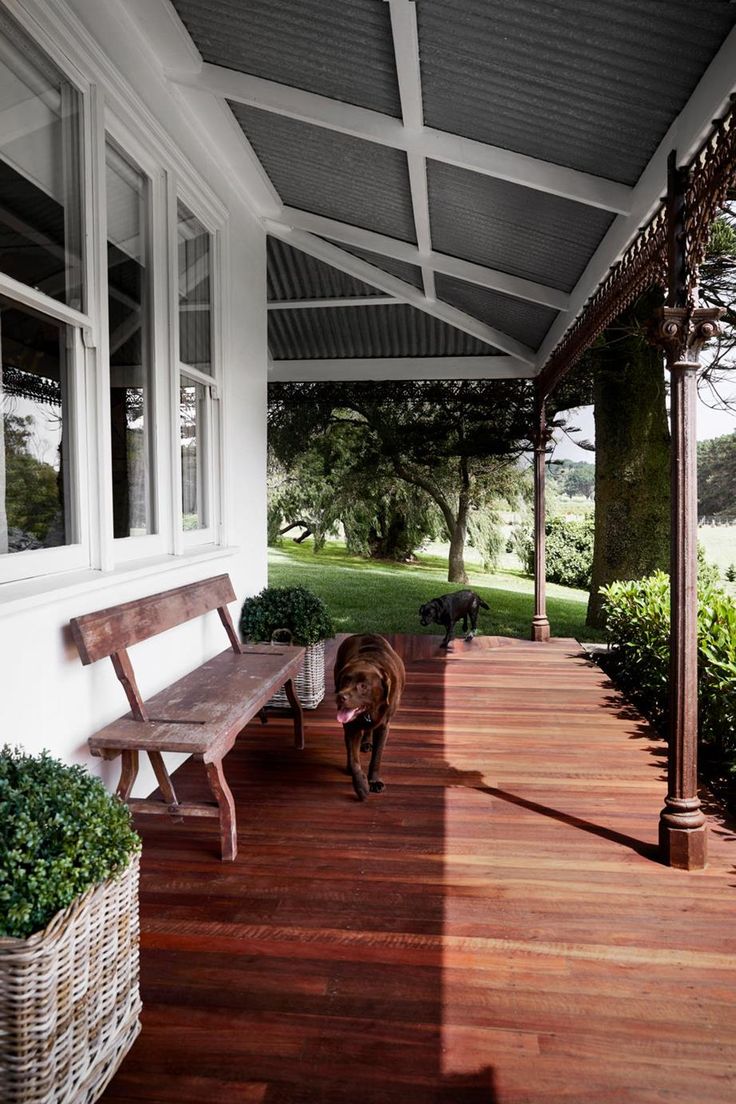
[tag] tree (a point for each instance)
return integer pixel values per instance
(448, 438)
(717, 476)
(632, 440)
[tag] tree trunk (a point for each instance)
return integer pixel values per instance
(458, 533)
(632, 456)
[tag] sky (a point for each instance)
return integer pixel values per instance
(711, 423)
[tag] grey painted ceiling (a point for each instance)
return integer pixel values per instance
(345, 332)
(585, 83)
(581, 84)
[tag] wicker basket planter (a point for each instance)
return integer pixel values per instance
(309, 683)
(69, 998)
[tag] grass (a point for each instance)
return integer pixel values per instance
(366, 596)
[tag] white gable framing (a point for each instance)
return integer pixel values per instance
(204, 88)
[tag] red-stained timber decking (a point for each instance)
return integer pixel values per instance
(493, 928)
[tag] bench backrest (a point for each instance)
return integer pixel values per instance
(111, 631)
(106, 631)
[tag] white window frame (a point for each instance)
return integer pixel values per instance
(129, 549)
(212, 534)
(41, 562)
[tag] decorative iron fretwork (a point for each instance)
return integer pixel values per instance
(644, 264)
(683, 331)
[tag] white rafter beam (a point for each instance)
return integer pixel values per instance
(438, 145)
(362, 270)
(321, 304)
(398, 368)
(406, 53)
(440, 262)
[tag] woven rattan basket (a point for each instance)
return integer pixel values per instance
(309, 683)
(69, 998)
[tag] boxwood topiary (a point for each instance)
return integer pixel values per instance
(61, 833)
(294, 608)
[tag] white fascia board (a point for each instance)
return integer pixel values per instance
(404, 251)
(362, 270)
(690, 129)
(321, 304)
(399, 368)
(372, 126)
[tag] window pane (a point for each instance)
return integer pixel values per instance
(35, 477)
(193, 433)
(194, 291)
(40, 224)
(130, 363)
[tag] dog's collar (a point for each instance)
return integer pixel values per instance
(367, 718)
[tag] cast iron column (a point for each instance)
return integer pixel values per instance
(540, 624)
(683, 329)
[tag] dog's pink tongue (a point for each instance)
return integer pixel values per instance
(345, 716)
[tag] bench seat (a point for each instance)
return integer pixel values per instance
(202, 713)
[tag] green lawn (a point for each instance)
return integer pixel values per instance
(363, 596)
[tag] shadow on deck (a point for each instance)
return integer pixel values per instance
(493, 928)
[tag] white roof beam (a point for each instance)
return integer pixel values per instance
(687, 133)
(440, 262)
(438, 145)
(398, 368)
(345, 301)
(406, 51)
(362, 270)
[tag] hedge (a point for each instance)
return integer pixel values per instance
(637, 620)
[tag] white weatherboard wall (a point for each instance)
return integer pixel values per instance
(47, 698)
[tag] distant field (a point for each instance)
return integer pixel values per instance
(719, 542)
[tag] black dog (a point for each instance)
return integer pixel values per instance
(449, 608)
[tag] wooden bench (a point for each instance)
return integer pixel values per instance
(200, 714)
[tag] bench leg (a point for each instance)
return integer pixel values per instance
(224, 799)
(296, 708)
(128, 774)
(165, 784)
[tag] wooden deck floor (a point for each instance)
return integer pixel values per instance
(493, 928)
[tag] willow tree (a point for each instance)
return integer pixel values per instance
(456, 440)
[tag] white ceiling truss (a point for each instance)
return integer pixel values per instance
(202, 88)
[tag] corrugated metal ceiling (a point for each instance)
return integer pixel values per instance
(581, 83)
(342, 50)
(332, 174)
(527, 322)
(409, 273)
(295, 275)
(347, 332)
(524, 232)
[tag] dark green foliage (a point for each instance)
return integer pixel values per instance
(293, 607)
(32, 500)
(572, 477)
(61, 833)
(570, 551)
(717, 476)
(637, 616)
(731, 573)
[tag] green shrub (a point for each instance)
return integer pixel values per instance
(570, 551)
(731, 573)
(61, 833)
(637, 616)
(293, 608)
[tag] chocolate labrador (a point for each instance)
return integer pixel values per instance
(369, 680)
(449, 608)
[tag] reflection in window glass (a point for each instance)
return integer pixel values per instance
(130, 370)
(40, 224)
(194, 291)
(35, 478)
(193, 434)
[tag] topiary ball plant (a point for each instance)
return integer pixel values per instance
(294, 608)
(61, 834)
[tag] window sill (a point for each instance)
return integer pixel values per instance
(16, 597)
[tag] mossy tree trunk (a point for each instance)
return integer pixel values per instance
(632, 468)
